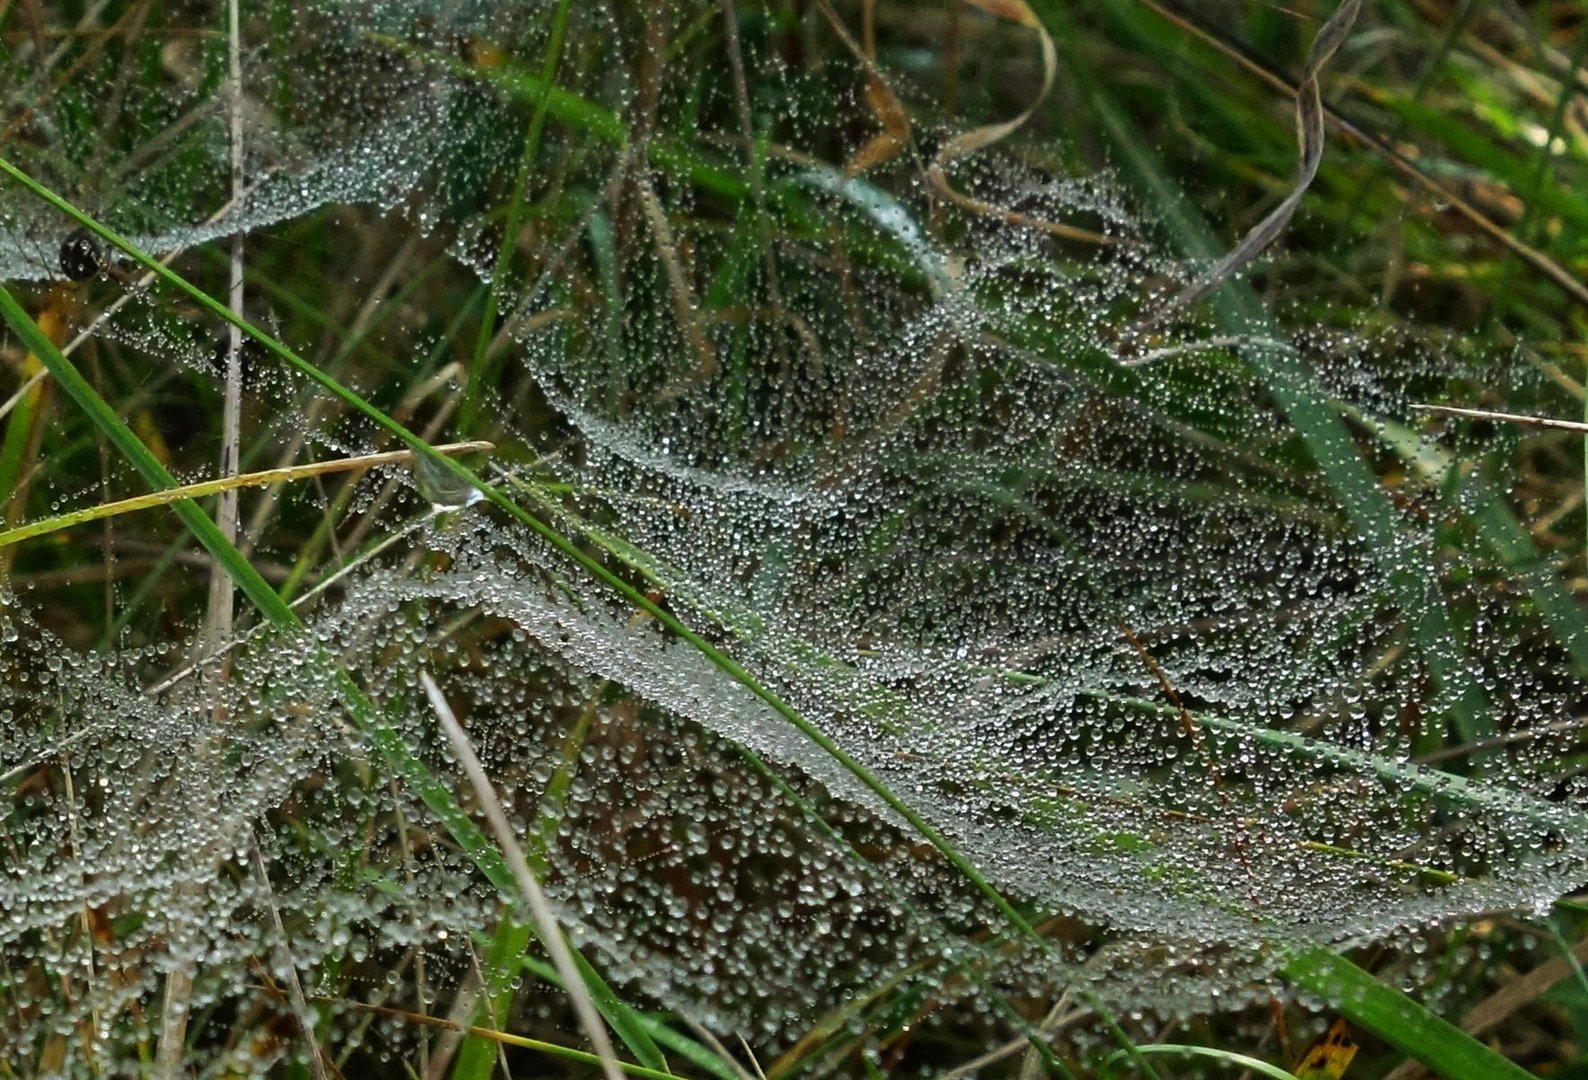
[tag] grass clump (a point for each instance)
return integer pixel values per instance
(917, 610)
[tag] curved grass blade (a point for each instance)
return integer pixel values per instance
(1225, 1057)
(1397, 1019)
(567, 1053)
(166, 496)
(1309, 124)
(1418, 175)
(546, 924)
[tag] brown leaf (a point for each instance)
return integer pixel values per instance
(980, 138)
(1014, 10)
(893, 137)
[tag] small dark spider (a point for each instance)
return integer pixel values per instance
(82, 255)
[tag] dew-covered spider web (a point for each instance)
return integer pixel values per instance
(1080, 597)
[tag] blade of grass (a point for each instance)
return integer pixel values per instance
(1435, 189)
(45, 526)
(1309, 126)
(18, 449)
(240, 571)
(218, 616)
(655, 1028)
(477, 1056)
(507, 949)
(567, 1053)
(550, 932)
(1397, 1019)
(1112, 1063)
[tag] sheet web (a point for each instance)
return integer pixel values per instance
(1103, 626)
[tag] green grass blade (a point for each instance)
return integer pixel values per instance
(14, 448)
(1224, 1057)
(626, 1022)
(651, 1024)
(691, 1051)
(1397, 1019)
(205, 531)
(477, 1056)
